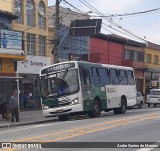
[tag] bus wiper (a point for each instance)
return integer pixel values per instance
(48, 96)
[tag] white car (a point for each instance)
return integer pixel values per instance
(139, 100)
(153, 97)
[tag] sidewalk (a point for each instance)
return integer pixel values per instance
(27, 118)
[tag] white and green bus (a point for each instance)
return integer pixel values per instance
(77, 87)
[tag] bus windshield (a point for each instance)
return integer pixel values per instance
(60, 83)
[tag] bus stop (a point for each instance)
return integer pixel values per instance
(7, 85)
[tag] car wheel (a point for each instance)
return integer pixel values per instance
(155, 105)
(63, 117)
(140, 105)
(148, 105)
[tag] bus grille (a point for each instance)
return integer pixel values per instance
(61, 103)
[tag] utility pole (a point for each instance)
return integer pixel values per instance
(56, 32)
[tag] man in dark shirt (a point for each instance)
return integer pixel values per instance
(14, 107)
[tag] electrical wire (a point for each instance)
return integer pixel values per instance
(110, 21)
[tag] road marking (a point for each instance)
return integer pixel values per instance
(61, 135)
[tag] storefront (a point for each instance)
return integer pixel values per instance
(152, 77)
(29, 86)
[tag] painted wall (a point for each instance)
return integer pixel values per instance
(106, 52)
(7, 5)
(33, 30)
(152, 52)
(7, 67)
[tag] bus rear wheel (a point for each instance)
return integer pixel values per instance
(96, 110)
(63, 117)
(122, 109)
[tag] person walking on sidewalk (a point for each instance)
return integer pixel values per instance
(14, 106)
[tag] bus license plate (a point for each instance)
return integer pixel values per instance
(59, 111)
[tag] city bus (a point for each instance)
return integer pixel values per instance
(78, 87)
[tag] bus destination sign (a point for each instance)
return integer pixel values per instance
(58, 67)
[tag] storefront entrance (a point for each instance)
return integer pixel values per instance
(29, 92)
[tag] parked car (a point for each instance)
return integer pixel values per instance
(139, 100)
(153, 97)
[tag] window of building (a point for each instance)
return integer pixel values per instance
(41, 15)
(18, 10)
(128, 54)
(30, 13)
(31, 44)
(148, 58)
(135, 55)
(114, 76)
(156, 59)
(42, 41)
(141, 56)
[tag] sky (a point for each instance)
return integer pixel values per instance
(145, 26)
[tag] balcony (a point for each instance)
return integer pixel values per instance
(132, 63)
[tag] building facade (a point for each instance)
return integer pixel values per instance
(11, 51)
(33, 23)
(152, 63)
(115, 50)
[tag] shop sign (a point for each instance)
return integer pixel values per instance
(11, 39)
(33, 64)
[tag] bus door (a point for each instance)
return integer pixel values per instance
(113, 89)
(131, 88)
(86, 88)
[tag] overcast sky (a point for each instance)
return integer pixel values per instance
(144, 25)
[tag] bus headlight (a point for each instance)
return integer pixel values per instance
(75, 101)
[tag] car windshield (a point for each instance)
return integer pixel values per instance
(155, 93)
(60, 83)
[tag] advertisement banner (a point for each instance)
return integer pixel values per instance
(11, 39)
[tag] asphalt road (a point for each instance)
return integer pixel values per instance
(137, 125)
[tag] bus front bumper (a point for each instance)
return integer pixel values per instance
(62, 110)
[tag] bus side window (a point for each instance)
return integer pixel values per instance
(104, 76)
(85, 77)
(123, 77)
(114, 76)
(130, 77)
(95, 76)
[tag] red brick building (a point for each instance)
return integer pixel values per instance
(111, 49)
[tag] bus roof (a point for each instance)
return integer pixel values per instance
(91, 63)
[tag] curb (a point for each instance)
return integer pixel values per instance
(25, 123)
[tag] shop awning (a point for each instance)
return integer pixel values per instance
(13, 56)
(7, 77)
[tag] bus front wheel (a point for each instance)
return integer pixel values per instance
(122, 109)
(96, 110)
(63, 117)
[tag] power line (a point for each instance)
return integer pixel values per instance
(111, 21)
(106, 24)
(131, 14)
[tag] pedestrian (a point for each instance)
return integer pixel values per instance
(14, 106)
